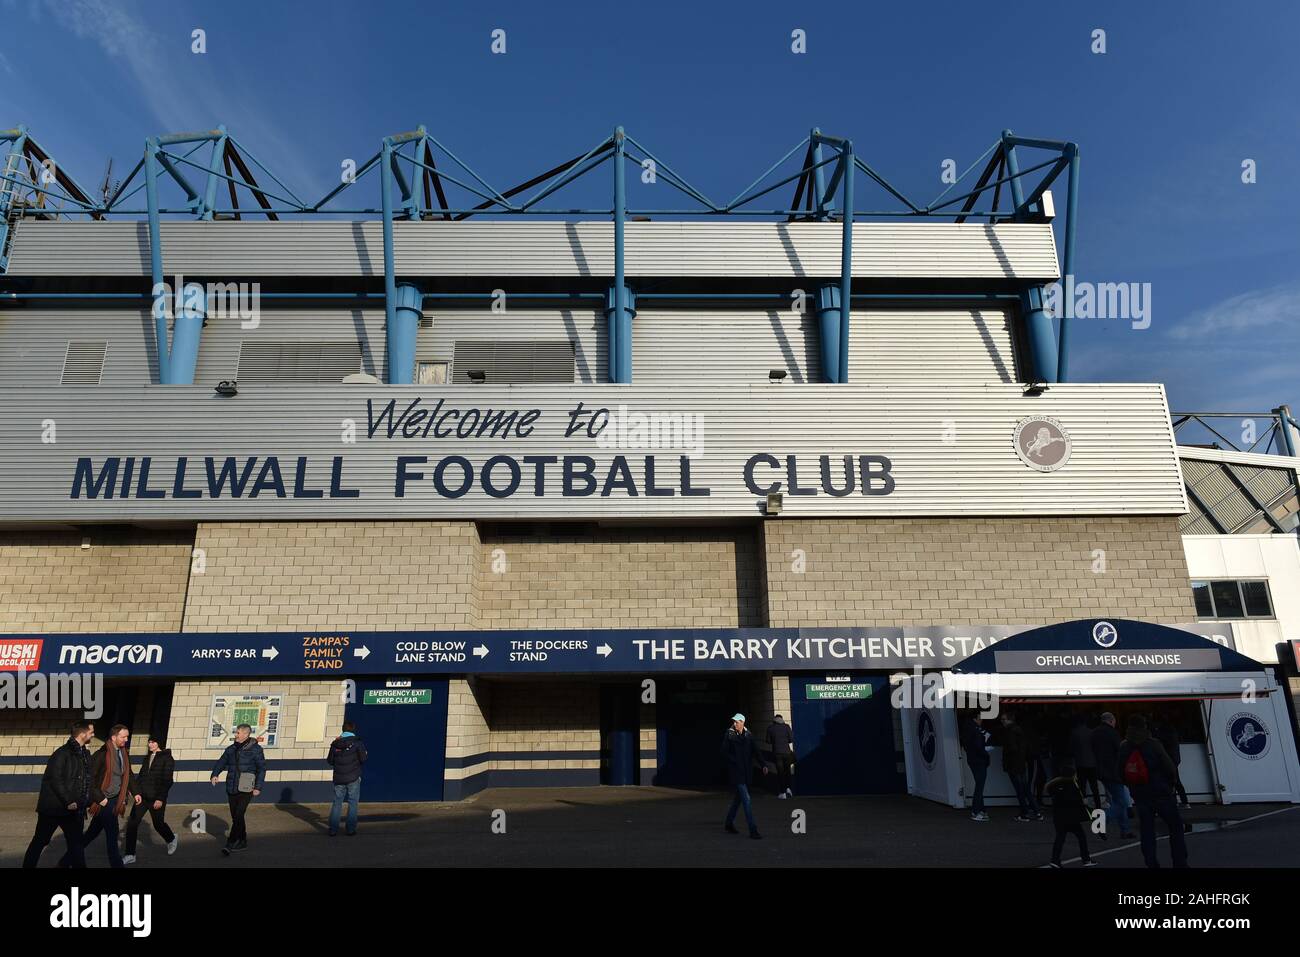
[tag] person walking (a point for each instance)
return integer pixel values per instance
(1167, 735)
(346, 755)
(1016, 760)
(738, 752)
(975, 742)
(64, 797)
(1149, 773)
(1084, 760)
(1105, 749)
(110, 793)
(1069, 814)
(153, 781)
(244, 765)
(780, 741)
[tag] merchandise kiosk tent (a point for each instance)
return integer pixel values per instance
(1245, 750)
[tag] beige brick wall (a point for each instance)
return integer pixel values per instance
(192, 712)
(621, 578)
(469, 709)
(547, 715)
(891, 572)
(127, 580)
(375, 576)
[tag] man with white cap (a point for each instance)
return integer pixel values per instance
(738, 751)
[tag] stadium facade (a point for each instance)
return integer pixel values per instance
(544, 502)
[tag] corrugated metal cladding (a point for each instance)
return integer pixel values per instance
(951, 448)
(890, 250)
(912, 344)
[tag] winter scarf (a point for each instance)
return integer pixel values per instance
(110, 762)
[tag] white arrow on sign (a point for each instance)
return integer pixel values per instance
(270, 652)
(363, 652)
(604, 650)
(481, 651)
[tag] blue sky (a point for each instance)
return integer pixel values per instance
(1164, 120)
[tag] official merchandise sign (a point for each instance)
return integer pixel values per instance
(261, 712)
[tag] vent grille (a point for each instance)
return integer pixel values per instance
(515, 361)
(302, 361)
(83, 363)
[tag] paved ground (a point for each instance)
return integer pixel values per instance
(652, 827)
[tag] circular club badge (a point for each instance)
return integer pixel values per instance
(1249, 735)
(928, 740)
(1042, 443)
(1105, 634)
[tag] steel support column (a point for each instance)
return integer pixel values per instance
(846, 261)
(155, 257)
(1071, 214)
(620, 320)
(391, 333)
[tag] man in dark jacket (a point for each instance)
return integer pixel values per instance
(347, 754)
(1016, 763)
(1105, 750)
(111, 787)
(1167, 735)
(152, 783)
(975, 742)
(738, 752)
(244, 765)
(64, 797)
(780, 740)
(1085, 761)
(1149, 773)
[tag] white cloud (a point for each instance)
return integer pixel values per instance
(1245, 313)
(181, 93)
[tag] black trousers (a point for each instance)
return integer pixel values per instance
(1063, 830)
(783, 764)
(239, 802)
(1086, 776)
(159, 825)
(46, 825)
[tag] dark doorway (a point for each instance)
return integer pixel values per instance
(844, 745)
(405, 732)
(694, 714)
(620, 733)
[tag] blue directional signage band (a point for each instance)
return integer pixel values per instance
(325, 654)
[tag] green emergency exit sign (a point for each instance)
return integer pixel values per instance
(838, 691)
(397, 696)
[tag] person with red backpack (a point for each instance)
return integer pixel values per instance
(1149, 774)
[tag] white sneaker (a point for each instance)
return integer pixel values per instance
(782, 795)
(172, 844)
(129, 859)
(789, 793)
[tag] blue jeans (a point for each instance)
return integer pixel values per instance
(1117, 811)
(980, 773)
(352, 794)
(741, 799)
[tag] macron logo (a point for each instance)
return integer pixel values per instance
(110, 654)
(75, 910)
